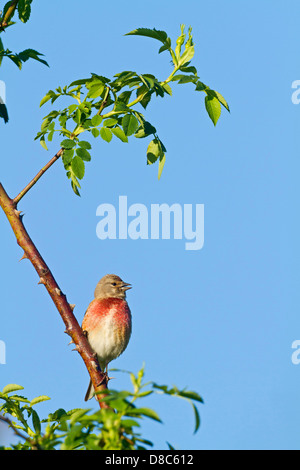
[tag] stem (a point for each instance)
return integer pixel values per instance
(167, 80)
(104, 101)
(37, 177)
(73, 329)
(15, 430)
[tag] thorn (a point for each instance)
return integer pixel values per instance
(72, 306)
(58, 291)
(23, 257)
(41, 281)
(110, 378)
(18, 213)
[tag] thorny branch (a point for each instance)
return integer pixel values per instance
(73, 329)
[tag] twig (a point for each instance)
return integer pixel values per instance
(15, 430)
(37, 177)
(73, 329)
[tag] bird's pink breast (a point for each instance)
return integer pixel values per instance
(108, 324)
(100, 309)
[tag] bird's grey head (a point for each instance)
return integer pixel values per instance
(111, 286)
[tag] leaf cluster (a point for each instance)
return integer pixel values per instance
(23, 11)
(117, 428)
(107, 108)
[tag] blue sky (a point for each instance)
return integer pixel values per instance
(220, 320)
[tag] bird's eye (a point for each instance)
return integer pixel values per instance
(114, 283)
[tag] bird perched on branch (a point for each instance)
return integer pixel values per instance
(107, 322)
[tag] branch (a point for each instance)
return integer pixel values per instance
(15, 430)
(73, 329)
(37, 177)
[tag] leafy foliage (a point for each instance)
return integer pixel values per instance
(117, 428)
(23, 10)
(106, 107)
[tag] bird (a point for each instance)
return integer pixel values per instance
(107, 322)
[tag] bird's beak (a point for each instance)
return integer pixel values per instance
(126, 286)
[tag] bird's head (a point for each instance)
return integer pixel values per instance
(111, 286)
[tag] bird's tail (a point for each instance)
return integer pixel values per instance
(90, 392)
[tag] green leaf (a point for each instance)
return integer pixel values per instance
(106, 134)
(12, 388)
(36, 422)
(118, 132)
(170, 446)
(166, 47)
(146, 95)
(3, 112)
(220, 98)
(125, 96)
(187, 69)
(24, 10)
(84, 144)
(39, 399)
(83, 154)
(154, 151)
(161, 165)
(197, 418)
(43, 143)
(213, 108)
(77, 116)
(167, 89)
(95, 90)
(144, 412)
(77, 414)
(72, 108)
(180, 42)
(129, 423)
(78, 167)
(145, 130)
(120, 106)
(190, 395)
(75, 185)
(68, 144)
(47, 97)
(201, 86)
(81, 81)
(150, 33)
(187, 55)
(110, 122)
(1, 50)
(130, 124)
(96, 120)
(95, 132)
(16, 60)
(67, 156)
(31, 54)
